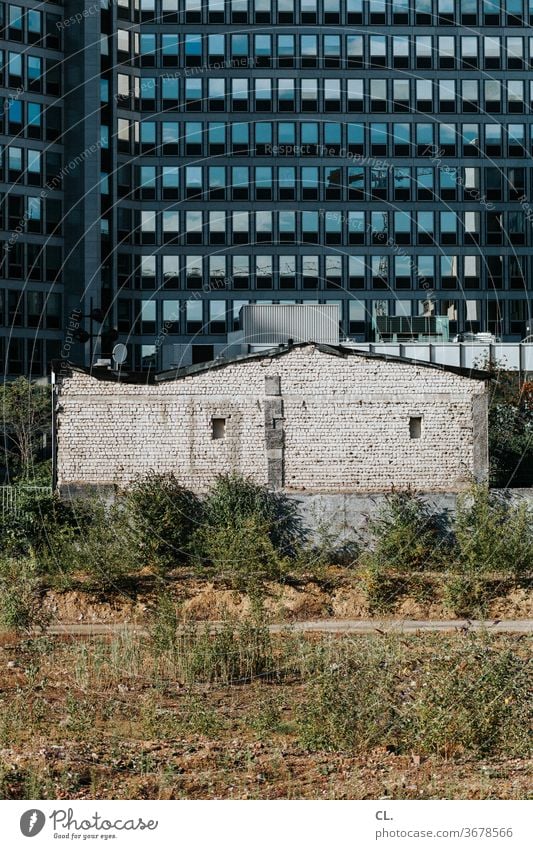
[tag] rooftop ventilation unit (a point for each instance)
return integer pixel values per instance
(276, 324)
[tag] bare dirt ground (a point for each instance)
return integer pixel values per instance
(237, 769)
(338, 596)
(76, 724)
(60, 740)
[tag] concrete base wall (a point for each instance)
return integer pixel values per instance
(341, 514)
(335, 514)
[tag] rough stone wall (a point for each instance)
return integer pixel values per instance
(338, 424)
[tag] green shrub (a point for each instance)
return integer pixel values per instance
(28, 526)
(234, 499)
(41, 474)
(26, 413)
(350, 705)
(491, 535)
(467, 696)
(474, 701)
(165, 515)
(40, 526)
(20, 604)
(248, 534)
(383, 589)
(327, 548)
(510, 446)
(510, 428)
(104, 551)
(467, 595)
(406, 537)
(241, 554)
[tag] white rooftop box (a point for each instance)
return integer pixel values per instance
(274, 324)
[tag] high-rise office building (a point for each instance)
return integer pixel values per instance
(168, 161)
(31, 150)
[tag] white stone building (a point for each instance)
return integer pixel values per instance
(307, 418)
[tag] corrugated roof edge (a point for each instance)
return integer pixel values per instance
(175, 374)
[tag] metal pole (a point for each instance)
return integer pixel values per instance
(91, 334)
(54, 432)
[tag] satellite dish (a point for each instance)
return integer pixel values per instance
(120, 354)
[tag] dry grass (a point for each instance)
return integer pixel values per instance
(245, 715)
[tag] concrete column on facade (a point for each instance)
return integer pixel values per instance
(274, 432)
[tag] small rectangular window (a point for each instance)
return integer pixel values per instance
(218, 428)
(415, 427)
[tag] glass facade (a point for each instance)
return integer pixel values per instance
(31, 187)
(368, 153)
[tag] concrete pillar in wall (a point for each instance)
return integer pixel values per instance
(274, 434)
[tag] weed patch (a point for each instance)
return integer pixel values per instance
(467, 699)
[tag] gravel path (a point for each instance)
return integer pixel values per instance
(332, 626)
